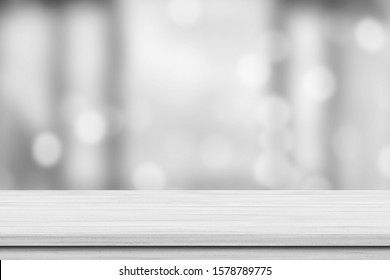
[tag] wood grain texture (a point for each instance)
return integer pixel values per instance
(194, 218)
(195, 253)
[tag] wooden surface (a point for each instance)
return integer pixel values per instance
(194, 218)
(197, 253)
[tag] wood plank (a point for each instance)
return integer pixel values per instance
(195, 218)
(191, 253)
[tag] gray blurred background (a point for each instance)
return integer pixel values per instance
(195, 94)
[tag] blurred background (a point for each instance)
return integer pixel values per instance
(195, 94)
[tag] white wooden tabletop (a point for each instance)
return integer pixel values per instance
(194, 218)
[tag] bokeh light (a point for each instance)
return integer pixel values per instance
(47, 149)
(370, 34)
(91, 127)
(318, 83)
(254, 71)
